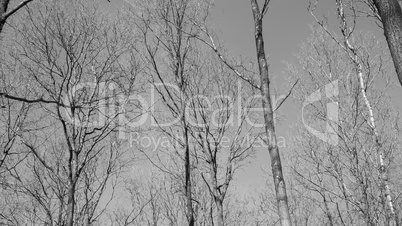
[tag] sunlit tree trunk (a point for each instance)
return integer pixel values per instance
(276, 165)
(391, 9)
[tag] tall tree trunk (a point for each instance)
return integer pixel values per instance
(276, 165)
(391, 17)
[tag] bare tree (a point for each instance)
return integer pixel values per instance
(353, 55)
(81, 73)
(352, 52)
(338, 176)
(196, 87)
(243, 73)
(168, 39)
(224, 136)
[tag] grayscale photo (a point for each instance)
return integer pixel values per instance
(200, 112)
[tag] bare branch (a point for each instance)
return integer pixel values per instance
(213, 46)
(286, 97)
(39, 100)
(18, 7)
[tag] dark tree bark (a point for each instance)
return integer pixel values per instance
(391, 17)
(3, 10)
(4, 15)
(279, 182)
(187, 165)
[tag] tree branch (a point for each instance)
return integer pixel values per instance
(286, 97)
(212, 45)
(18, 7)
(39, 100)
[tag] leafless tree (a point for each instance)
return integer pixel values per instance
(80, 72)
(168, 40)
(341, 174)
(220, 113)
(352, 52)
(246, 75)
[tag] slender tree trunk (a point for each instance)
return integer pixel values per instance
(324, 199)
(61, 209)
(346, 197)
(382, 168)
(217, 196)
(190, 214)
(380, 152)
(366, 204)
(187, 166)
(71, 189)
(276, 165)
(219, 210)
(328, 212)
(70, 206)
(391, 17)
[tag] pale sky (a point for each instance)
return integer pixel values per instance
(286, 26)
